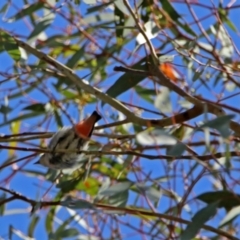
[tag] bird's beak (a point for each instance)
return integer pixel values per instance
(38, 162)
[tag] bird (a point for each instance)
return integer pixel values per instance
(69, 138)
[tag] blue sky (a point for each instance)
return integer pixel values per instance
(35, 188)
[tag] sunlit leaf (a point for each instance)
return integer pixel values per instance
(231, 215)
(166, 58)
(9, 45)
(163, 101)
(151, 32)
(115, 189)
(75, 57)
(150, 192)
(15, 129)
(227, 48)
(154, 137)
(119, 199)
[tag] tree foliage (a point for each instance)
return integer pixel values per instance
(163, 162)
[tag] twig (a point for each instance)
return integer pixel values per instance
(127, 152)
(106, 207)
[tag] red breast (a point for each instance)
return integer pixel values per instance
(85, 128)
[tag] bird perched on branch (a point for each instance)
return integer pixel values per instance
(69, 138)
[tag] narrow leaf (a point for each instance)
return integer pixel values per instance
(9, 45)
(198, 221)
(163, 101)
(226, 199)
(221, 124)
(116, 188)
(28, 10)
(154, 137)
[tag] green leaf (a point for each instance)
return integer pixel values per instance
(151, 31)
(76, 204)
(187, 28)
(66, 233)
(155, 136)
(5, 109)
(154, 195)
(128, 80)
(116, 189)
(163, 101)
(76, 56)
(124, 83)
(89, 1)
(63, 231)
(58, 119)
(36, 107)
(39, 28)
(90, 185)
(22, 117)
(4, 8)
(227, 200)
(197, 74)
(101, 19)
(32, 225)
(120, 12)
(145, 93)
(68, 185)
(198, 221)
(2, 206)
(28, 10)
(166, 58)
(176, 150)
(230, 24)
(221, 124)
(49, 219)
(99, 7)
(170, 10)
(25, 90)
(119, 199)
(9, 45)
(231, 215)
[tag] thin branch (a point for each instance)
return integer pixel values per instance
(128, 152)
(106, 207)
(212, 108)
(137, 22)
(79, 82)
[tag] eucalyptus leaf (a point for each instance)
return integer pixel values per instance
(154, 137)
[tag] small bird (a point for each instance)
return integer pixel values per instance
(75, 138)
(170, 72)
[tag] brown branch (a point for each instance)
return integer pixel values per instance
(129, 152)
(199, 105)
(105, 207)
(131, 70)
(212, 107)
